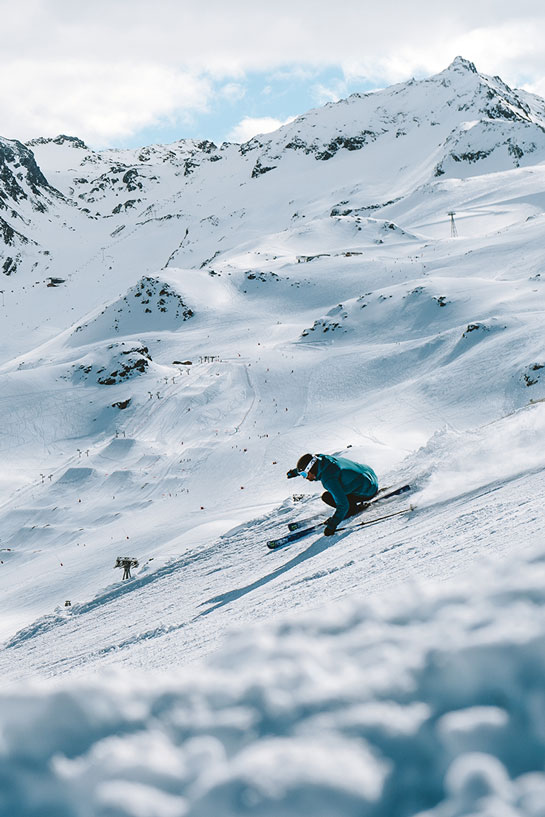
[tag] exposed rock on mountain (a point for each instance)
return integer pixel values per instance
(152, 304)
(20, 177)
(61, 139)
(121, 365)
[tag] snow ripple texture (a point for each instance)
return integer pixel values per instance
(429, 703)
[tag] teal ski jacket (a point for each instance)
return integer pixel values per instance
(341, 477)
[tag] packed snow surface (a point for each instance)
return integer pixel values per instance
(427, 700)
(179, 324)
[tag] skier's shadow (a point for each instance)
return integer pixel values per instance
(318, 546)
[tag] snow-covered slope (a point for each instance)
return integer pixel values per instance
(192, 204)
(179, 324)
(427, 701)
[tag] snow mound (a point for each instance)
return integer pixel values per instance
(76, 475)
(398, 312)
(151, 305)
(115, 365)
(425, 703)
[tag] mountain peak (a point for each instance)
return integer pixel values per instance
(460, 63)
(61, 139)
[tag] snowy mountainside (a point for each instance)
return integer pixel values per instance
(179, 324)
(231, 319)
(357, 712)
(24, 195)
(192, 204)
(458, 115)
(420, 698)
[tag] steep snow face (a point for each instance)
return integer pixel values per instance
(426, 121)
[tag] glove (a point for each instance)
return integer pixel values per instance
(329, 531)
(293, 472)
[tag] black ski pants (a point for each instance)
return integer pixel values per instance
(355, 502)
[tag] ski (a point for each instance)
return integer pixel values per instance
(273, 544)
(385, 493)
(365, 522)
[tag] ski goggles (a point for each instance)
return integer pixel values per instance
(309, 467)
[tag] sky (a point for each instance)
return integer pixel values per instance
(125, 73)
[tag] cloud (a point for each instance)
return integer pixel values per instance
(251, 126)
(333, 93)
(233, 91)
(98, 102)
(295, 73)
(106, 69)
(536, 87)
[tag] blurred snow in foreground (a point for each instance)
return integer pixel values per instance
(432, 701)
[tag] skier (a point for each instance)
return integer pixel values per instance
(348, 484)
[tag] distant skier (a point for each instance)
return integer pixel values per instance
(348, 484)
